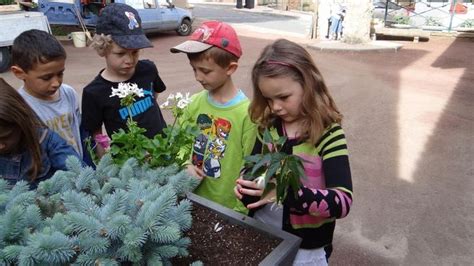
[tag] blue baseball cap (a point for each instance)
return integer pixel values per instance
(123, 23)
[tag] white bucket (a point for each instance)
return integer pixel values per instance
(79, 38)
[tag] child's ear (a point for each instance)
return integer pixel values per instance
(231, 68)
(18, 72)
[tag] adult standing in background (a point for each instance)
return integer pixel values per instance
(336, 19)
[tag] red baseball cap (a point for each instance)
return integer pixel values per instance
(211, 33)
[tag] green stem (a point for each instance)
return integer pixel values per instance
(171, 132)
(129, 112)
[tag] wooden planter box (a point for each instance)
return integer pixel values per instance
(283, 254)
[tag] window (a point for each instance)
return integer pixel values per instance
(149, 3)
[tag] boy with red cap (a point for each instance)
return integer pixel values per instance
(221, 112)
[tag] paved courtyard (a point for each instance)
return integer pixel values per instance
(409, 118)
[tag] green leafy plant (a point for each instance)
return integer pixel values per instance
(273, 163)
(108, 216)
(468, 23)
(173, 147)
(130, 144)
(90, 149)
(7, 2)
(433, 21)
(401, 19)
(179, 137)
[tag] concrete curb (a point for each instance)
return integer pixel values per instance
(373, 46)
(259, 9)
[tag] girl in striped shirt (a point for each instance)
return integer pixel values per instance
(292, 100)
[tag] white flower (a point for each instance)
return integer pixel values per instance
(165, 104)
(125, 89)
(182, 103)
(176, 100)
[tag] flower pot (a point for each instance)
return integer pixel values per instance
(249, 199)
(283, 254)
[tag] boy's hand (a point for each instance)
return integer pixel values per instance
(195, 171)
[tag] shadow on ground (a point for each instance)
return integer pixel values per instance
(411, 154)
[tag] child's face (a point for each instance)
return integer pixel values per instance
(211, 76)
(121, 62)
(44, 80)
(284, 96)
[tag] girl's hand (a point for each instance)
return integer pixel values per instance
(195, 171)
(250, 188)
(270, 197)
(246, 187)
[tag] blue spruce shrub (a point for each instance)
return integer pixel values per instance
(107, 216)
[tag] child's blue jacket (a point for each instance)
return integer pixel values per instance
(54, 151)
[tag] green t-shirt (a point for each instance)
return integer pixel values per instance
(227, 136)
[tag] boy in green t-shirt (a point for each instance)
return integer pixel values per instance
(220, 111)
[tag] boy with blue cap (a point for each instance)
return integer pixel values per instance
(119, 39)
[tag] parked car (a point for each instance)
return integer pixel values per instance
(155, 17)
(18, 22)
(158, 17)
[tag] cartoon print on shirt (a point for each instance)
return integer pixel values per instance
(204, 122)
(199, 148)
(210, 145)
(212, 166)
(222, 127)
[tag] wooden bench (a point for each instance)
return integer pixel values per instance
(416, 34)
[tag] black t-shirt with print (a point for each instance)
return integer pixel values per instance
(99, 108)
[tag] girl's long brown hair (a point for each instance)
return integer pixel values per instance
(17, 117)
(284, 58)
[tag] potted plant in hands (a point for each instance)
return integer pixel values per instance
(275, 168)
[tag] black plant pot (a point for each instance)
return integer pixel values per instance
(246, 200)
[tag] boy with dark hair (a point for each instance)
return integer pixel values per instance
(220, 111)
(39, 60)
(119, 39)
